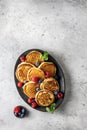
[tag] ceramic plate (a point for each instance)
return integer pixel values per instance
(59, 77)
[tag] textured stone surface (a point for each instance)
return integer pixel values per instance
(60, 27)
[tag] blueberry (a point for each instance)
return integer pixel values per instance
(15, 114)
(22, 115)
(37, 63)
(57, 77)
(40, 80)
(37, 89)
(19, 114)
(23, 110)
(55, 92)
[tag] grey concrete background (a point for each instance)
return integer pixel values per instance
(60, 27)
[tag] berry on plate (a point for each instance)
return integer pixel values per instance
(47, 74)
(37, 63)
(30, 100)
(60, 95)
(40, 81)
(55, 92)
(20, 84)
(35, 79)
(34, 104)
(22, 58)
(37, 89)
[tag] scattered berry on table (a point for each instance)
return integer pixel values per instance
(23, 110)
(19, 111)
(22, 115)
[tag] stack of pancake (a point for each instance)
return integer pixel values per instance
(27, 70)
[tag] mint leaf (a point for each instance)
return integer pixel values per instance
(53, 104)
(44, 56)
(45, 53)
(47, 109)
(52, 108)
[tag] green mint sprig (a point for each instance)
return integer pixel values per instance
(52, 108)
(44, 56)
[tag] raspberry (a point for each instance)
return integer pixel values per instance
(22, 58)
(47, 74)
(20, 84)
(30, 100)
(17, 109)
(34, 104)
(60, 95)
(35, 79)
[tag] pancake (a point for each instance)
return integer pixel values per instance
(22, 70)
(50, 84)
(44, 98)
(48, 67)
(30, 89)
(35, 72)
(33, 57)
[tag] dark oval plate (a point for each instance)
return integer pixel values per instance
(59, 77)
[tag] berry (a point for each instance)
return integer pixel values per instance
(55, 92)
(60, 95)
(40, 81)
(35, 79)
(30, 100)
(23, 110)
(17, 109)
(22, 58)
(37, 63)
(19, 113)
(22, 115)
(34, 104)
(57, 77)
(47, 74)
(37, 89)
(20, 84)
(15, 114)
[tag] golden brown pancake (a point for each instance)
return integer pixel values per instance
(44, 97)
(35, 72)
(22, 70)
(33, 57)
(49, 67)
(30, 89)
(50, 84)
